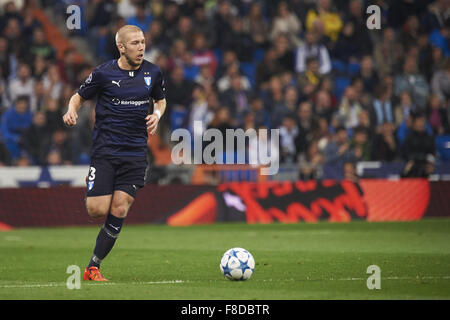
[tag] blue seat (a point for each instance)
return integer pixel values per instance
(340, 84)
(258, 55)
(443, 147)
(338, 66)
(248, 69)
(219, 55)
(353, 68)
(176, 118)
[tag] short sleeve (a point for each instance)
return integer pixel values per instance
(90, 86)
(159, 90)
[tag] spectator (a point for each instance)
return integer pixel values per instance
(224, 83)
(285, 55)
(288, 136)
(60, 148)
(4, 99)
(256, 25)
(337, 150)
(204, 77)
(368, 74)
(382, 109)
(360, 144)
(287, 106)
(199, 111)
(409, 35)
(440, 82)
(330, 21)
(5, 157)
(273, 96)
(222, 24)
(7, 59)
(287, 23)
(323, 106)
(305, 124)
(68, 67)
(12, 32)
(191, 70)
(201, 24)
(142, 19)
(236, 97)
(385, 145)
(419, 168)
(177, 52)
(311, 76)
(418, 144)
(179, 87)
(348, 48)
(222, 121)
(312, 49)
(240, 41)
(54, 115)
(404, 109)
(23, 85)
(365, 122)
(13, 124)
(310, 161)
(413, 82)
(35, 141)
(182, 30)
(350, 172)
(387, 52)
(350, 108)
(202, 55)
(52, 82)
(262, 117)
(437, 115)
(39, 47)
(266, 69)
(356, 15)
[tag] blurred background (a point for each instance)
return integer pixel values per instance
(349, 102)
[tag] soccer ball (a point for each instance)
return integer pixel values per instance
(237, 264)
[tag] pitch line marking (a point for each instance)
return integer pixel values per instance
(61, 284)
(58, 284)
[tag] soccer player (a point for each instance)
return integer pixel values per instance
(125, 89)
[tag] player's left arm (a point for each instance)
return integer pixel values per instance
(158, 95)
(159, 107)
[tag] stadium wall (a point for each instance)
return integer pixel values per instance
(268, 202)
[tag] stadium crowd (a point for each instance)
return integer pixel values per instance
(337, 91)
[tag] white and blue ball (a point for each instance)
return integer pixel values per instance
(237, 264)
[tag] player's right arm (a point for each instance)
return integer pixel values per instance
(71, 116)
(87, 90)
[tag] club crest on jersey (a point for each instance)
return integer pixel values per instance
(148, 80)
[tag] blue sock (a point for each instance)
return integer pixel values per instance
(105, 240)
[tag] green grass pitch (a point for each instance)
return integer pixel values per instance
(293, 261)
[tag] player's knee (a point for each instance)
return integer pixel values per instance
(96, 211)
(119, 211)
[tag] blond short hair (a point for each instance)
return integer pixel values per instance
(126, 29)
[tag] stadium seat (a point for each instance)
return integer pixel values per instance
(353, 68)
(248, 69)
(219, 55)
(339, 67)
(443, 147)
(340, 84)
(176, 118)
(258, 55)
